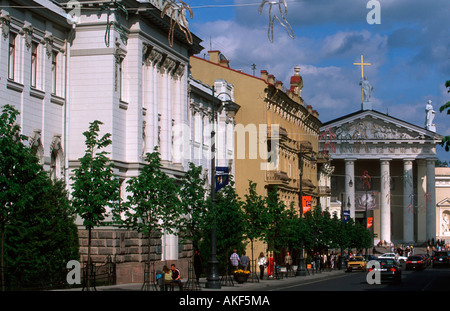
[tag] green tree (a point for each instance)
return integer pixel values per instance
(194, 205)
(289, 228)
(230, 224)
(152, 205)
(254, 210)
(20, 175)
(446, 140)
(42, 238)
(94, 185)
(38, 233)
(274, 219)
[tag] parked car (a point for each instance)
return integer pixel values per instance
(356, 263)
(416, 262)
(390, 270)
(401, 259)
(440, 258)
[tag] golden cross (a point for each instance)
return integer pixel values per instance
(362, 64)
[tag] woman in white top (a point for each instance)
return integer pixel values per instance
(262, 265)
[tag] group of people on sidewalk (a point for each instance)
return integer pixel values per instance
(243, 262)
(318, 261)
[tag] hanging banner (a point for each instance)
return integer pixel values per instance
(369, 222)
(221, 177)
(367, 200)
(346, 216)
(306, 203)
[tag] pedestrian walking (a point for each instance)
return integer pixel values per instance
(288, 261)
(270, 266)
(197, 265)
(234, 259)
(244, 261)
(262, 264)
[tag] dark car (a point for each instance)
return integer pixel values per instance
(416, 262)
(390, 270)
(440, 258)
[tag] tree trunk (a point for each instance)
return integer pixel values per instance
(2, 263)
(88, 268)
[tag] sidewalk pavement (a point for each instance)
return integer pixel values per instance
(256, 285)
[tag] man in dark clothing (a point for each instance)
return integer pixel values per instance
(176, 277)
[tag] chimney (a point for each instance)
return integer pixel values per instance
(279, 85)
(214, 56)
(264, 75)
(271, 79)
(297, 82)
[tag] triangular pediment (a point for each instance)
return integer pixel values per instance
(373, 125)
(445, 202)
(370, 134)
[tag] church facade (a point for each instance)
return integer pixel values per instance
(384, 173)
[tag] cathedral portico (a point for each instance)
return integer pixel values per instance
(391, 165)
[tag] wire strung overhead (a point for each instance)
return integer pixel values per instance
(176, 10)
(282, 7)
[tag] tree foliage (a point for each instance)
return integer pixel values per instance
(94, 185)
(152, 205)
(38, 233)
(230, 227)
(254, 212)
(193, 204)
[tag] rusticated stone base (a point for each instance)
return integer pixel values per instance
(129, 250)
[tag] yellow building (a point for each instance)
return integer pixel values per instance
(267, 108)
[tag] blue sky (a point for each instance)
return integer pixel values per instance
(409, 51)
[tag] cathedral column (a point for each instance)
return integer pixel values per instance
(408, 201)
(385, 215)
(350, 190)
(431, 199)
(421, 200)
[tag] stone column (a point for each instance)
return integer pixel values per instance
(408, 201)
(421, 201)
(350, 190)
(431, 199)
(385, 213)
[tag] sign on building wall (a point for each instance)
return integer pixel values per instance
(306, 203)
(221, 177)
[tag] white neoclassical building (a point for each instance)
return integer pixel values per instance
(33, 77)
(385, 173)
(135, 79)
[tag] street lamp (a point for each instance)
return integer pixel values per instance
(308, 154)
(213, 280)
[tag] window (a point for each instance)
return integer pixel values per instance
(54, 73)
(11, 55)
(34, 49)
